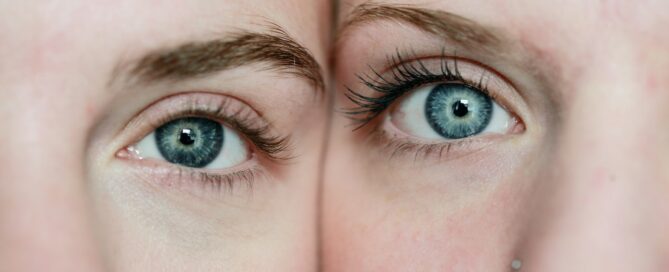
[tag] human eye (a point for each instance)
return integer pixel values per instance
(202, 139)
(450, 111)
(435, 104)
(196, 142)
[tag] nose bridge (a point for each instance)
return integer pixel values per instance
(43, 205)
(601, 208)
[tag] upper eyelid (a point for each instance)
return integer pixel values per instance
(398, 61)
(454, 68)
(488, 70)
(221, 107)
(525, 58)
(202, 105)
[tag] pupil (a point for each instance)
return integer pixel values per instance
(460, 108)
(187, 137)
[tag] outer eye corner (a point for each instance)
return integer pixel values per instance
(517, 125)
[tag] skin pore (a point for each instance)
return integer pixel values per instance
(578, 182)
(83, 85)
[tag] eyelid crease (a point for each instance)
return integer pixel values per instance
(406, 75)
(227, 110)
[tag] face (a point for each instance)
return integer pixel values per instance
(497, 136)
(145, 136)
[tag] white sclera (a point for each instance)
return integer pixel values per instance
(233, 152)
(410, 117)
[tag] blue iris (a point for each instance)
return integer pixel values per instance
(457, 110)
(190, 141)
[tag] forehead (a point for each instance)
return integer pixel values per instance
(168, 16)
(42, 36)
(644, 13)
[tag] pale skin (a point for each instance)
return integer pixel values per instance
(71, 197)
(581, 186)
(577, 183)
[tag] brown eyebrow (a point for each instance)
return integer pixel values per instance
(274, 47)
(440, 23)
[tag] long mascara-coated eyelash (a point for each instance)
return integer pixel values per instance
(404, 77)
(273, 146)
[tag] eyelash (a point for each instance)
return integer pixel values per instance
(402, 148)
(273, 147)
(226, 181)
(206, 105)
(406, 76)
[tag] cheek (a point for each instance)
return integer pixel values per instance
(483, 237)
(655, 76)
(428, 226)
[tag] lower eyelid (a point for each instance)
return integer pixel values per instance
(403, 148)
(396, 144)
(198, 182)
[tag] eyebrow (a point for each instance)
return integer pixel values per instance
(194, 59)
(440, 23)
